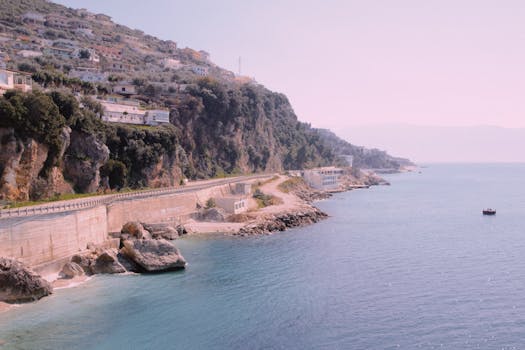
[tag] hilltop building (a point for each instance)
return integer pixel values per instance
(91, 75)
(10, 80)
(118, 110)
(124, 89)
(34, 18)
(200, 70)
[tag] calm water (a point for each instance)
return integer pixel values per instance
(410, 266)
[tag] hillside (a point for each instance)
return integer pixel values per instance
(60, 138)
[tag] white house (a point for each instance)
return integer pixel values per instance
(15, 80)
(171, 63)
(328, 178)
(349, 159)
(125, 89)
(88, 74)
(122, 113)
(29, 53)
(232, 205)
(200, 70)
(34, 18)
(157, 116)
(243, 188)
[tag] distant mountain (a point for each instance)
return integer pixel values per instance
(444, 144)
(219, 124)
(362, 157)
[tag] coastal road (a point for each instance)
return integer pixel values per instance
(90, 202)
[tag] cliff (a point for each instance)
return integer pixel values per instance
(54, 142)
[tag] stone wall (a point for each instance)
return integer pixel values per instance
(41, 239)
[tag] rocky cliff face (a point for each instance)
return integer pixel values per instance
(21, 163)
(216, 129)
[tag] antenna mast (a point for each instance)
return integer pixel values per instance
(240, 66)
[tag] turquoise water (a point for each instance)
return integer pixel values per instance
(409, 266)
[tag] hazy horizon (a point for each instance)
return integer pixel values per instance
(442, 144)
(348, 63)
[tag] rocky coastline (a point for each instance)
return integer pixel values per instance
(149, 248)
(281, 222)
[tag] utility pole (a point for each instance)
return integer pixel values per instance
(240, 66)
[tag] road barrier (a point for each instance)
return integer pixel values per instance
(91, 202)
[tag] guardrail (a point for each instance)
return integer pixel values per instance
(79, 204)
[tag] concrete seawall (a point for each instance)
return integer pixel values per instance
(44, 238)
(38, 236)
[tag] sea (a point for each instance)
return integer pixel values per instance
(414, 265)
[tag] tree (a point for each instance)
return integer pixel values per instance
(84, 54)
(116, 173)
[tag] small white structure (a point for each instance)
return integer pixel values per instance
(116, 112)
(10, 80)
(327, 178)
(243, 188)
(90, 75)
(29, 53)
(232, 205)
(349, 159)
(171, 63)
(34, 18)
(200, 70)
(157, 116)
(125, 89)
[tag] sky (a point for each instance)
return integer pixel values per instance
(347, 64)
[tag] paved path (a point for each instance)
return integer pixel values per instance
(90, 202)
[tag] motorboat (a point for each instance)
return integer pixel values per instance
(489, 211)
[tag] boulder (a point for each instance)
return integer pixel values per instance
(129, 264)
(18, 284)
(108, 263)
(162, 231)
(85, 262)
(71, 270)
(135, 229)
(153, 255)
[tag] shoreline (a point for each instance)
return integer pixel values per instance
(290, 207)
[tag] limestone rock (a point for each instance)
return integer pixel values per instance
(108, 263)
(164, 231)
(135, 230)
(83, 159)
(281, 222)
(154, 255)
(85, 262)
(71, 270)
(18, 284)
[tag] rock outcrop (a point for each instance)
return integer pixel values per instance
(107, 263)
(281, 222)
(18, 284)
(153, 255)
(165, 231)
(82, 161)
(71, 270)
(134, 229)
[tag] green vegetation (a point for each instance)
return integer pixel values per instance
(291, 184)
(265, 200)
(210, 203)
(219, 127)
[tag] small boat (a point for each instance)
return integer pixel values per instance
(489, 211)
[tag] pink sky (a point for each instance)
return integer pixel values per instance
(431, 62)
(346, 63)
